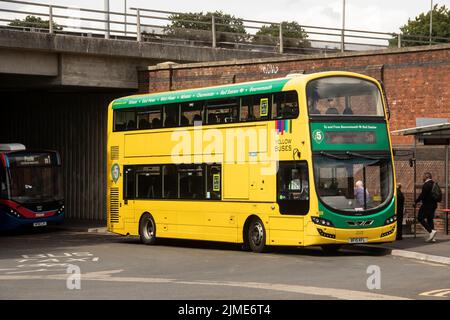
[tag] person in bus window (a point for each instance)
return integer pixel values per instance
(312, 106)
(359, 194)
(156, 123)
(332, 107)
(298, 186)
(197, 118)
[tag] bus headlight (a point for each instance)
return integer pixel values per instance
(60, 210)
(14, 213)
(322, 222)
(390, 220)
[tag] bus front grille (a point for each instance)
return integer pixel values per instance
(114, 205)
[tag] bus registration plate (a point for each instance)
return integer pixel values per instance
(357, 240)
(40, 224)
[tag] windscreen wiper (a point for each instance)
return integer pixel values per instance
(330, 155)
(355, 154)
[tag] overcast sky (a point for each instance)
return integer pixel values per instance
(377, 15)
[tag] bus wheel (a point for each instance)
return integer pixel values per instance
(256, 236)
(331, 248)
(147, 229)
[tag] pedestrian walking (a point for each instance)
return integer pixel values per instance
(428, 207)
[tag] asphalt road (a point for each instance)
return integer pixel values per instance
(43, 264)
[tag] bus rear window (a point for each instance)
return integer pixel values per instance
(343, 96)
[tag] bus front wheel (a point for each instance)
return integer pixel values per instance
(147, 229)
(256, 236)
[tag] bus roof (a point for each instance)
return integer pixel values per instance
(217, 92)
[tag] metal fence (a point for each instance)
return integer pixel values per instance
(140, 24)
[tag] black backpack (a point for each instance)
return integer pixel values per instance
(436, 193)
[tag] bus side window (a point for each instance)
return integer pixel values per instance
(245, 114)
(191, 112)
(170, 181)
(171, 115)
(129, 183)
(149, 183)
(149, 117)
(214, 182)
(285, 105)
(192, 182)
(222, 111)
(124, 120)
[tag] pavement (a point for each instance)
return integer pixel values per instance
(417, 248)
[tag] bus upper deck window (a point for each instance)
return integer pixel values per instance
(171, 115)
(124, 120)
(149, 117)
(191, 113)
(285, 105)
(222, 111)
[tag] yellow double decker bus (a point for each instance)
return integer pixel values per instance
(298, 161)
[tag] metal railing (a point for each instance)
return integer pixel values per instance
(150, 25)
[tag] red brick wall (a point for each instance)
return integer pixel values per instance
(417, 80)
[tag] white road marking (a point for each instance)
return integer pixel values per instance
(32, 271)
(317, 291)
(442, 293)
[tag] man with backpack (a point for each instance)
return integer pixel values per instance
(431, 194)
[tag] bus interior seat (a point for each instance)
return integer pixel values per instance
(332, 110)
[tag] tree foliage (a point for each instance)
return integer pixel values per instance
(293, 35)
(197, 26)
(416, 32)
(34, 22)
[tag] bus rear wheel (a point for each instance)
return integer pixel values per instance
(147, 229)
(331, 248)
(256, 236)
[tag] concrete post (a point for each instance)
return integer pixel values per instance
(125, 17)
(50, 19)
(107, 25)
(343, 27)
(281, 38)
(399, 40)
(213, 31)
(138, 25)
